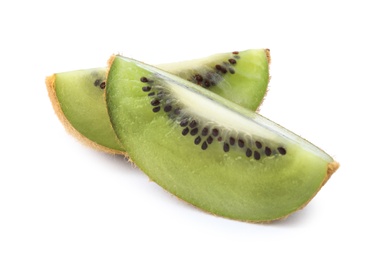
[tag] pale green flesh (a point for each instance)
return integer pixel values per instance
(246, 87)
(84, 107)
(226, 184)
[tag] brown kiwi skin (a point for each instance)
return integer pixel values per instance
(268, 55)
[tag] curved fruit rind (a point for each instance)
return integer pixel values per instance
(227, 184)
(80, 105)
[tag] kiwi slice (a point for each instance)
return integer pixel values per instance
(77, 96)
(209, 151)
(78, 101)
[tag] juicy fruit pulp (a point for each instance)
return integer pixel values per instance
(209, 151)
(241, 77)
(77, 96)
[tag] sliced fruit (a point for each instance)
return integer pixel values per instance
(78, 100)
(241, 77)
(209, 151)
(77, 96)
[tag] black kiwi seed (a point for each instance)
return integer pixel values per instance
(258, 144)
(151, 94)
(219, 138)
(207, 84)
(215, 132)
(232, 141)
(194, 131)
(193, 124)
(167, 108)
(156, 109)
(177, 111)
(232, 61)
(144, 79)
(235, 52)
(256, 155)
(204, 145)
(198, 78)
(205, 131)
(248, 152)
(146, 88)
(185, 131)
(197, 140)
(226, 147)
(231, 70)
(97, 82)
(221, 68)
(184, 122)
(209, 140)
(241, 143)
(102, 85)
(155, 102)
(282, 151)
(267, 151)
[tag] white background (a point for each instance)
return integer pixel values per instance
(62, 200)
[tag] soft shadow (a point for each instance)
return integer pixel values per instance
(120, 159)
(297, 218)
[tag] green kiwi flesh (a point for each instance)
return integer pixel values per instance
(78, 100)
(241, 77)
(77, 96)
(209, 151)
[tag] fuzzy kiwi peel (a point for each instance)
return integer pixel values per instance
(77, 96)
(209, 151)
